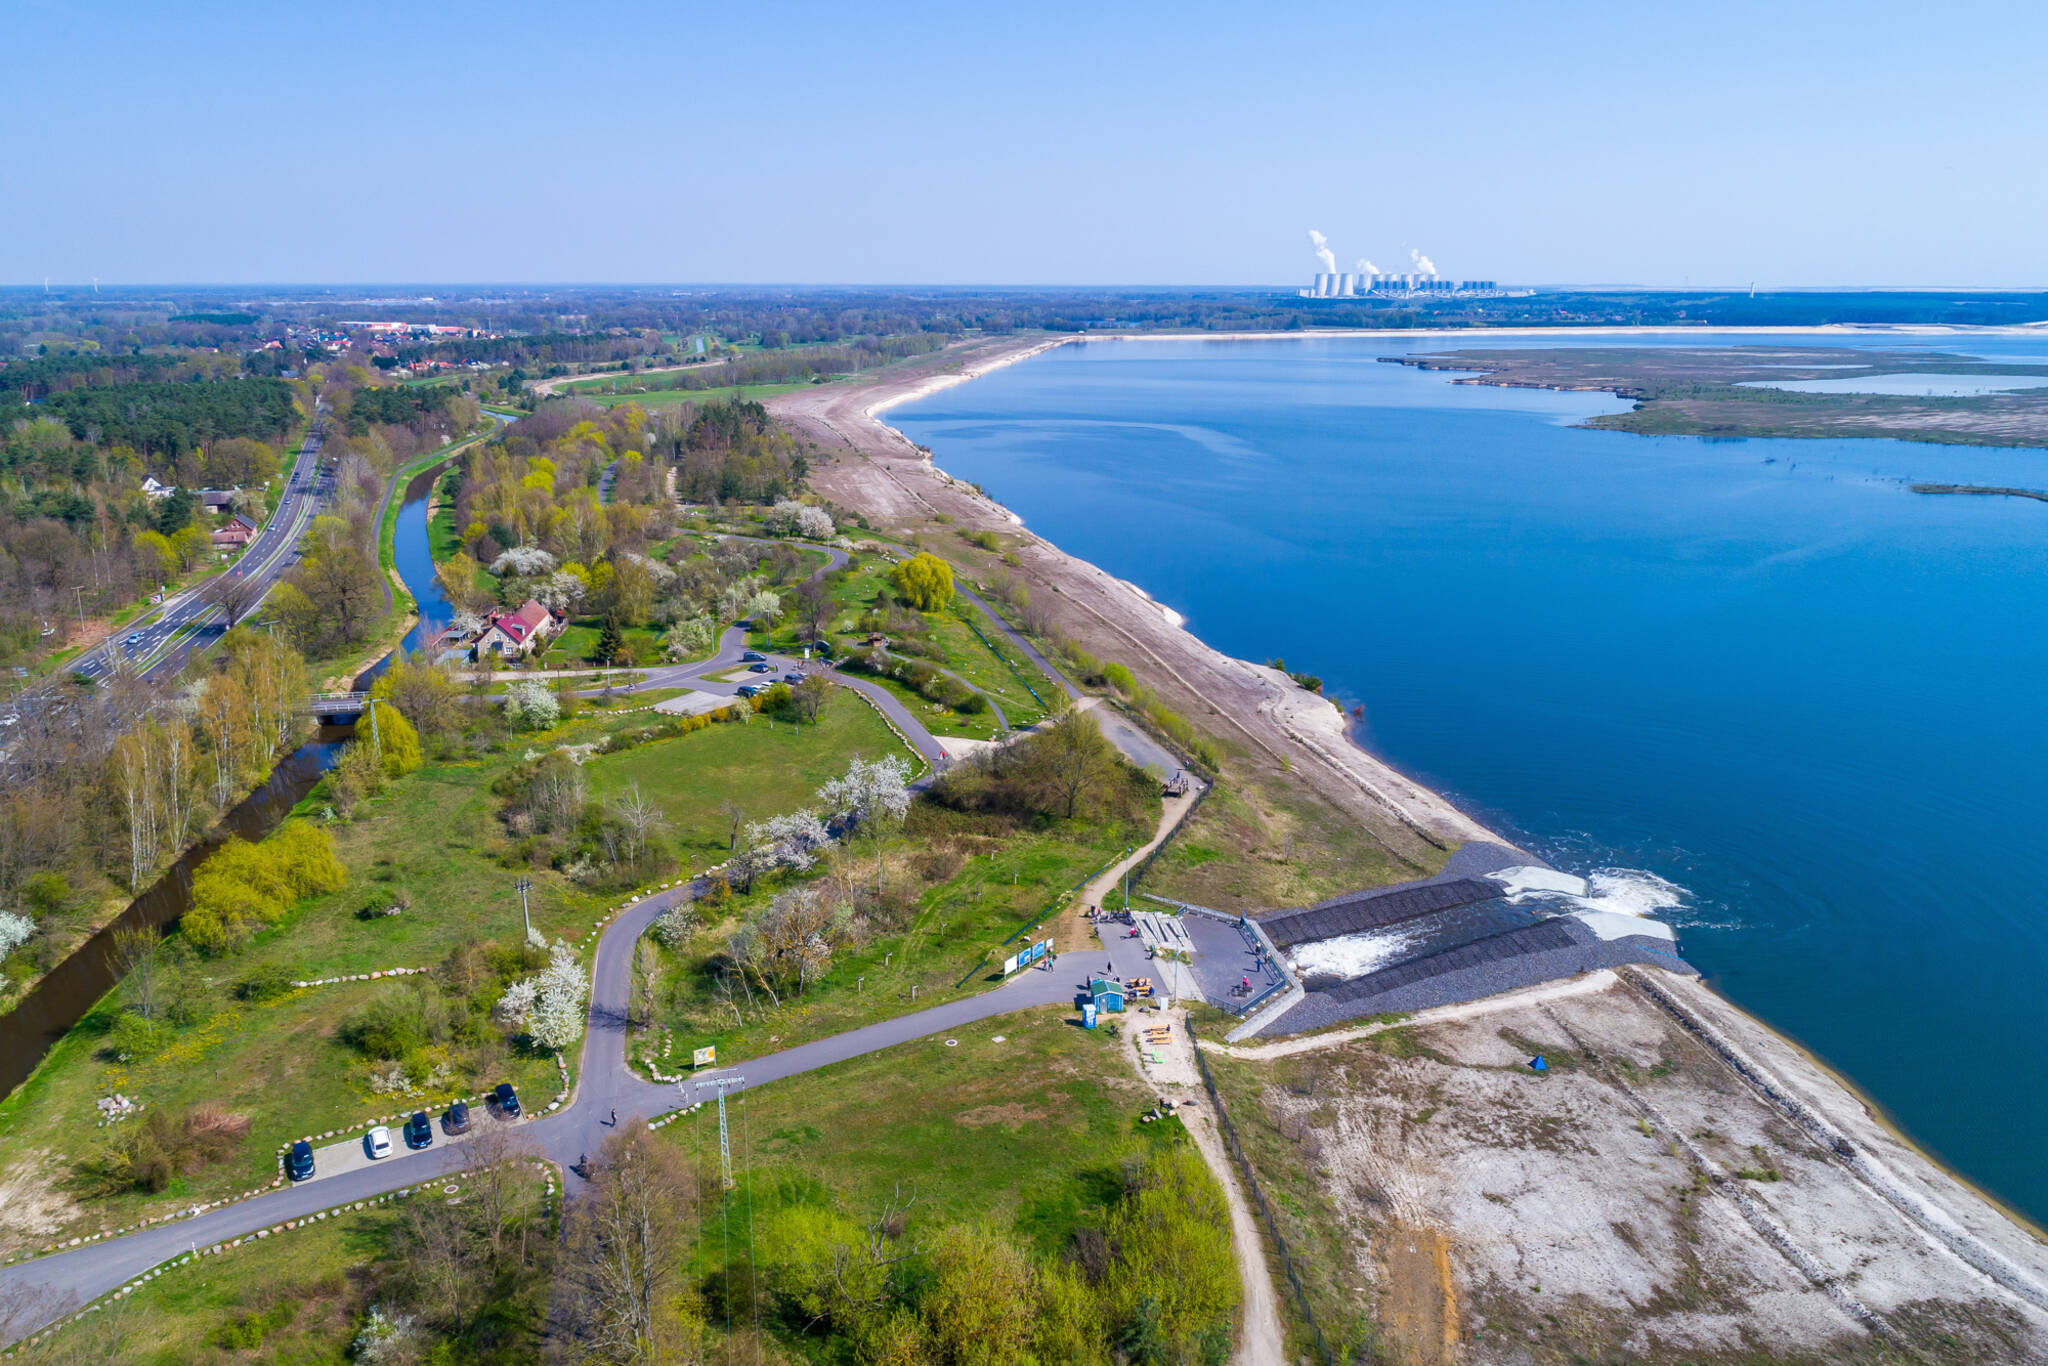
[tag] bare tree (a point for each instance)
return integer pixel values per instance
(237, 598)
(641, 818)
(136, 958)
(624, 1249)
(735, 816)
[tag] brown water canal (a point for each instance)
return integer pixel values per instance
(70, 989)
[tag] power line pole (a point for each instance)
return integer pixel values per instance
(523, 886)
(724, 1135)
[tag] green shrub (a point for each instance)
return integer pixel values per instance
(264, 983)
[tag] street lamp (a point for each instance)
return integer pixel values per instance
(523, 886)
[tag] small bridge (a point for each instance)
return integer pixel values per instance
(337, 706)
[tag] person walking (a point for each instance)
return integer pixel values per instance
(615, 1117)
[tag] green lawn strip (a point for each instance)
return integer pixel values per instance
(1027, 1135)
(577, 644)
(1002, 883)
(991, 663)
(768, 768)
(594, 390)
(444, 538)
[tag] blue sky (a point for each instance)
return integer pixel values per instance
(1790, 144)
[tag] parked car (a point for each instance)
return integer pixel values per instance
(751, 690)
(419, 1130)
(379, 1141)
(792, 677)
(752, 657)
(456, 1121)
(508, 1099)
(763, 668)
(299, 1165)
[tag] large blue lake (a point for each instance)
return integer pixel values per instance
(1762, 670)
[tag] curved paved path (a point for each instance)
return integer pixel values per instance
(61, 1282)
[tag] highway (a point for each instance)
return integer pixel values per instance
(157, 644)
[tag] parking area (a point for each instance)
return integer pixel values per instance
(352, 1154)
(692, 703)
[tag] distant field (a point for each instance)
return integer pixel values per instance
(669, 398)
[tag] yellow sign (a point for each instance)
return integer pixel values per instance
(704, 1057)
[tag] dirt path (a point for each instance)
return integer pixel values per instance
(1174, 1077)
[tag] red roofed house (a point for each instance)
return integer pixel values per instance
(234, 533)
(518, 634)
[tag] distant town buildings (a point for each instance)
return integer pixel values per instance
(1409, 285)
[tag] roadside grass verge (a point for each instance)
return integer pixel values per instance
(600, 391)
(297, 1297)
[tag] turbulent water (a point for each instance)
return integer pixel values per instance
(1756, 688)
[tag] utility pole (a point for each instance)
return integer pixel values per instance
(523, 886)
(724, 1139)
(377, 745)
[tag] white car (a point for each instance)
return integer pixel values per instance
(380, 1142)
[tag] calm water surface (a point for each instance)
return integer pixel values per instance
(1761, 669)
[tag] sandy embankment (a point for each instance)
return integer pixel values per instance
(1880, 1220)
(883, 475)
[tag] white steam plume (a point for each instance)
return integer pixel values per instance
(1323, 252)
(1423, 265)
(1366, 267)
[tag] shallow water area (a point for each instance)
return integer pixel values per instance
(1907, 385)
(1761, 671)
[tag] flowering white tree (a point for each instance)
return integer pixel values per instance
(387, 1339)
(869, 790)
(531, 705)
(525, 561)
(689, 639)
(765, 606)
(548, 1008)
(559, 1013)
(561, 591)
(14, 931)
(791, 518)
(515, 1008)
(790, 841)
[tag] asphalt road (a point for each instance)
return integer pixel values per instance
(159, 643)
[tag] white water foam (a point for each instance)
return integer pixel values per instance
(1351, 955)
(1605, 901)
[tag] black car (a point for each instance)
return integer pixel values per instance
(508, 1099)
(456, 1121)
(752, 657)
(763, 668)
(750, 690)
(419, 1130)
(792, 677)
(299, 1165)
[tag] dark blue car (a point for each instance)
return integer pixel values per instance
(299, 1165)
(419, 1130)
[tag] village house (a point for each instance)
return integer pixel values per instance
(515, 635)
(235, 533)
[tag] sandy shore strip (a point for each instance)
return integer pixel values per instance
(878, 471)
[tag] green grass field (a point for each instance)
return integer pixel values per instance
(1027, 1135)
(599, 391)
(768, 768)
(577, 643)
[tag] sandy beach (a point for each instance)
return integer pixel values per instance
(1869, 1210)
